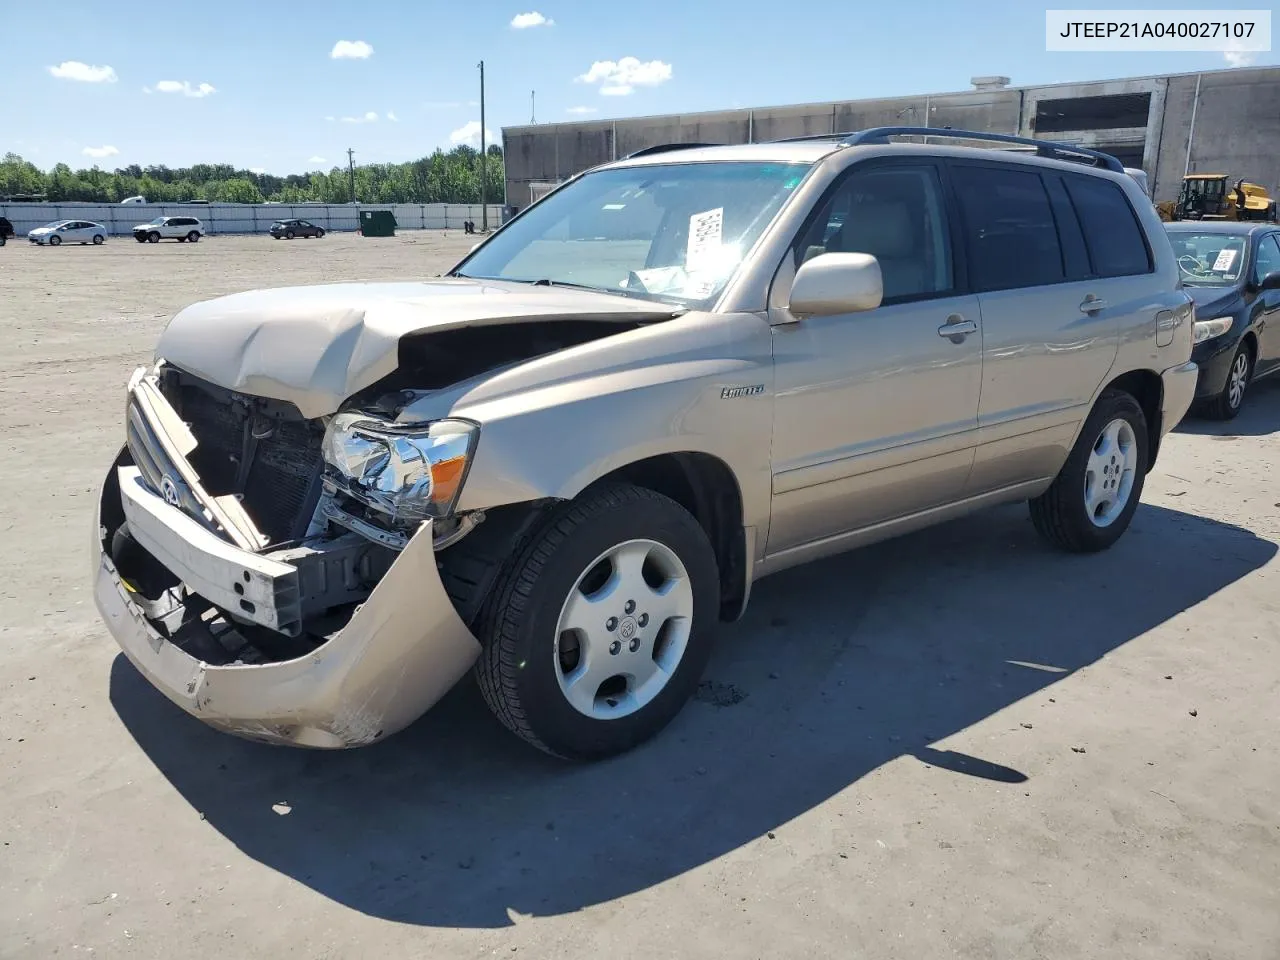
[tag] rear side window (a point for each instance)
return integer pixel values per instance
(1010, 234)
(1117, 245)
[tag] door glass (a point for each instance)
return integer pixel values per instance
(896, 214)
(1010, 235)
(1268, 258)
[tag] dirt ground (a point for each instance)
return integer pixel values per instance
(956, 744)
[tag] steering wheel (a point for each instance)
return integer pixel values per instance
(1196, 269)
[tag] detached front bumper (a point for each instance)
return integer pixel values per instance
(401, 650)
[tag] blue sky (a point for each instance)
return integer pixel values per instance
(257, 84)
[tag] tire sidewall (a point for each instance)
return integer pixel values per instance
(555, 721)
(1110, 407)
(1228, 410)
(55, 241)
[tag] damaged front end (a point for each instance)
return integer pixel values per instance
(276, 576)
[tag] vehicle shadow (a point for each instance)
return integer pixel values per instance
(838, 668)
(1259, 417)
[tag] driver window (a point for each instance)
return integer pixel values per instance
(1268, 258)
(896, 215)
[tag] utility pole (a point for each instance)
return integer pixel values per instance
(351, 170)
(484, 194)
(533, 106)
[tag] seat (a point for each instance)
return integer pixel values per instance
(884, 230)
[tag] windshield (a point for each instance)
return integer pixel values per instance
(1209, 259)
(53, 225)
(675, 232)
(157, 221)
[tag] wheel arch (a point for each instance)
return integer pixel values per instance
(1147, 388)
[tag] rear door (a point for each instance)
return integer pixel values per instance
(1051, 319)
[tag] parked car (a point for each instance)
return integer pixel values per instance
(562, 462)
(288, 229)
(1232, 270)
(6, 230)
(68, 231)
(133, 200)
(182, 229)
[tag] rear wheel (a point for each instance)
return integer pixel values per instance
(193, 237)
(97, 239)
(1227, 404)
(1094, 496)
(597, 632)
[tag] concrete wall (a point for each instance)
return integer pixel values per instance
(119, 218)
(1237, 127)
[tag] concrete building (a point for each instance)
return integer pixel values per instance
(1224, 121)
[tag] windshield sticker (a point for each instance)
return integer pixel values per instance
(615, 206)
(705, 232)
(1224, 261)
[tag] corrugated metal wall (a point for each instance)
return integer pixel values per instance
(119, 218)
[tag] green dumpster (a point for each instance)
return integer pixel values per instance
(377, 223)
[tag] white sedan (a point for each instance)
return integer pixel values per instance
(68, 231)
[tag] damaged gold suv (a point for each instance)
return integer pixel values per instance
(561, 463)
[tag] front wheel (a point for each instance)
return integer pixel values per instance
(1094, 496)
(1227, 404)
(597, 632)
(55, 241)
(153, 237)
(288, 234)
(319, 234)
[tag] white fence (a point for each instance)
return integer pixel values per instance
(119, 218)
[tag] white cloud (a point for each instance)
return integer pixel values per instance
(184, 87)
(99, 152)
(258, 170)
(315, 160)
(582, 110)
(1240, 58)
(619, 78)
(351, 50)
(369, 117)
(523, 21)
(75, 70)
(469, 133)
(331, 119)
(392, 117)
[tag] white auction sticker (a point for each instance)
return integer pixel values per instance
(705, 233)
(1224, 261)
(1141, 31)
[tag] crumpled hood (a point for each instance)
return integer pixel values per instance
(316, 346)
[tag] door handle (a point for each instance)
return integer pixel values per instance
(957, 328)
(1092, 304)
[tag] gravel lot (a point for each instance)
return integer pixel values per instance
(956, 744)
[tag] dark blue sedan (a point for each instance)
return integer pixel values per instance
(1232, 270)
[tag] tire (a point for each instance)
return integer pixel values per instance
(527, 667)
(288, 234)
(1065, 514)
(153, 237)
(55, 241)
(98, 239)
(1227, 404)
(319, 234)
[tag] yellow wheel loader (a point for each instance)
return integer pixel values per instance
(1208, 196)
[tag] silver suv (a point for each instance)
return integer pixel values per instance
(564, 461)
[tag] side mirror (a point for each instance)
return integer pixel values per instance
(834, 283)
(1271, 281)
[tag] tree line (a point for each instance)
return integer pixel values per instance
(452, 177)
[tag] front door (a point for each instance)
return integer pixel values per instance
(876, 412)
(1268, 261)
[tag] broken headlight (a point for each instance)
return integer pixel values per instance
(410, 472)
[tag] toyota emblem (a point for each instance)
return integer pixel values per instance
(169, 490)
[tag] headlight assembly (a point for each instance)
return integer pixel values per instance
(1208, 329)
(411, 473)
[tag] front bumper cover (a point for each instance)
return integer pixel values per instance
(401, 651)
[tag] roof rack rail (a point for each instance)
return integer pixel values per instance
(1044, 148)
(666, 147)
